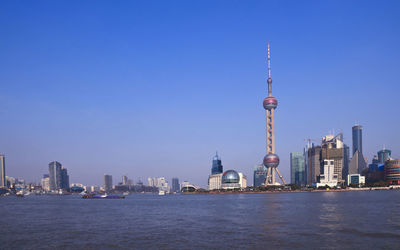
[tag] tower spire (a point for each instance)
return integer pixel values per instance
(269, 74)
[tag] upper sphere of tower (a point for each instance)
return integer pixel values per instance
(270, 102)
(269, 80)
(271, 161)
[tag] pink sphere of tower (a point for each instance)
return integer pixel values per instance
(270, 102)
(271, 161)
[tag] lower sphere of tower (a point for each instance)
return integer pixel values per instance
(271, 160)
(270, 102)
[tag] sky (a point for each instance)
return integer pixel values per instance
(154, 88)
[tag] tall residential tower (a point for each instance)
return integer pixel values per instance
(271, 160)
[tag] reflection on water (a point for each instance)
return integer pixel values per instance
(320, 220)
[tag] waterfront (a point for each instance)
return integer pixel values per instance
(365, 219)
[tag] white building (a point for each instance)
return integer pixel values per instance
(45, 183)
(214, 181)
(328, 178)
(242, 180)
(355, 179)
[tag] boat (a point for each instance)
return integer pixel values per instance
(103, 196)
(161, 192)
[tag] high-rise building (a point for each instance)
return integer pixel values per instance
(357, 138)
(214, 181)
(329, 177)
(107, 182)
(313, 164)
(333, 149)
(3, 181)
(64, 179)
(124, 180)
(271, 160)
(260, 175)
(384, 155)
(297, 169)
(175, 185)
(55, 177)
(217, 167)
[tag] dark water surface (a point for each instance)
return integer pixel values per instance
(326, 220)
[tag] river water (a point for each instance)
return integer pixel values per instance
(318, 220)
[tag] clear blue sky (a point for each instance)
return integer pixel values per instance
(153, 88)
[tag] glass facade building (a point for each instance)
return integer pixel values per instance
(55, 175)
(357, 138)
(260, 174)
(107, 182)
(3, 181)
(297, 169)
(175, 185)
(384, 155)
(216, 165)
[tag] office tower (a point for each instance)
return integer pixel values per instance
(313, 164)
(384, 155)
(259, 175)
(357, 162)
(64, 179)
(3, 181)
(271, 160)
(124, 180)
(216, 165)
(333, 149)
(329, 177)
(107, 182)
(297, 169)
(357, 138)
(175, 185)
(55, 175)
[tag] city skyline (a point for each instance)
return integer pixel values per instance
(155, 94)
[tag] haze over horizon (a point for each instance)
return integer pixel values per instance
(154, 88)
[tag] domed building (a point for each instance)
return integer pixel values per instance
(233, 180)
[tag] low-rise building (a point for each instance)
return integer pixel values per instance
(355, 179)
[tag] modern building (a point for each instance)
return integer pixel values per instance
(271, 160)
(55, 176)
(124, 180)
(3, 181)
(357, 138)
(214, 181)
(64, 179)
(357, 163)
(329, 177)
(230, 180)
(260, 175)
(355, 179)
(392, 171)
(297, 169)
(242, 180)
(108, 183)
(217, 167)
(333, 148)
(45, 182)
(313, 164)
(175, 185)
(384, 155)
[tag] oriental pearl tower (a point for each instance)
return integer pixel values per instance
(271, 160)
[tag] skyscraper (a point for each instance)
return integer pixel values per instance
(384, 155)
(124, 180)
(217, 167)
(175, 185)
(271, 160)
(357, 138)
(64, 179)
(260, 175)
(297, 169)
(313, 164)
(3, 181)
(55, 175)
(107, 182)
(333, 149)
